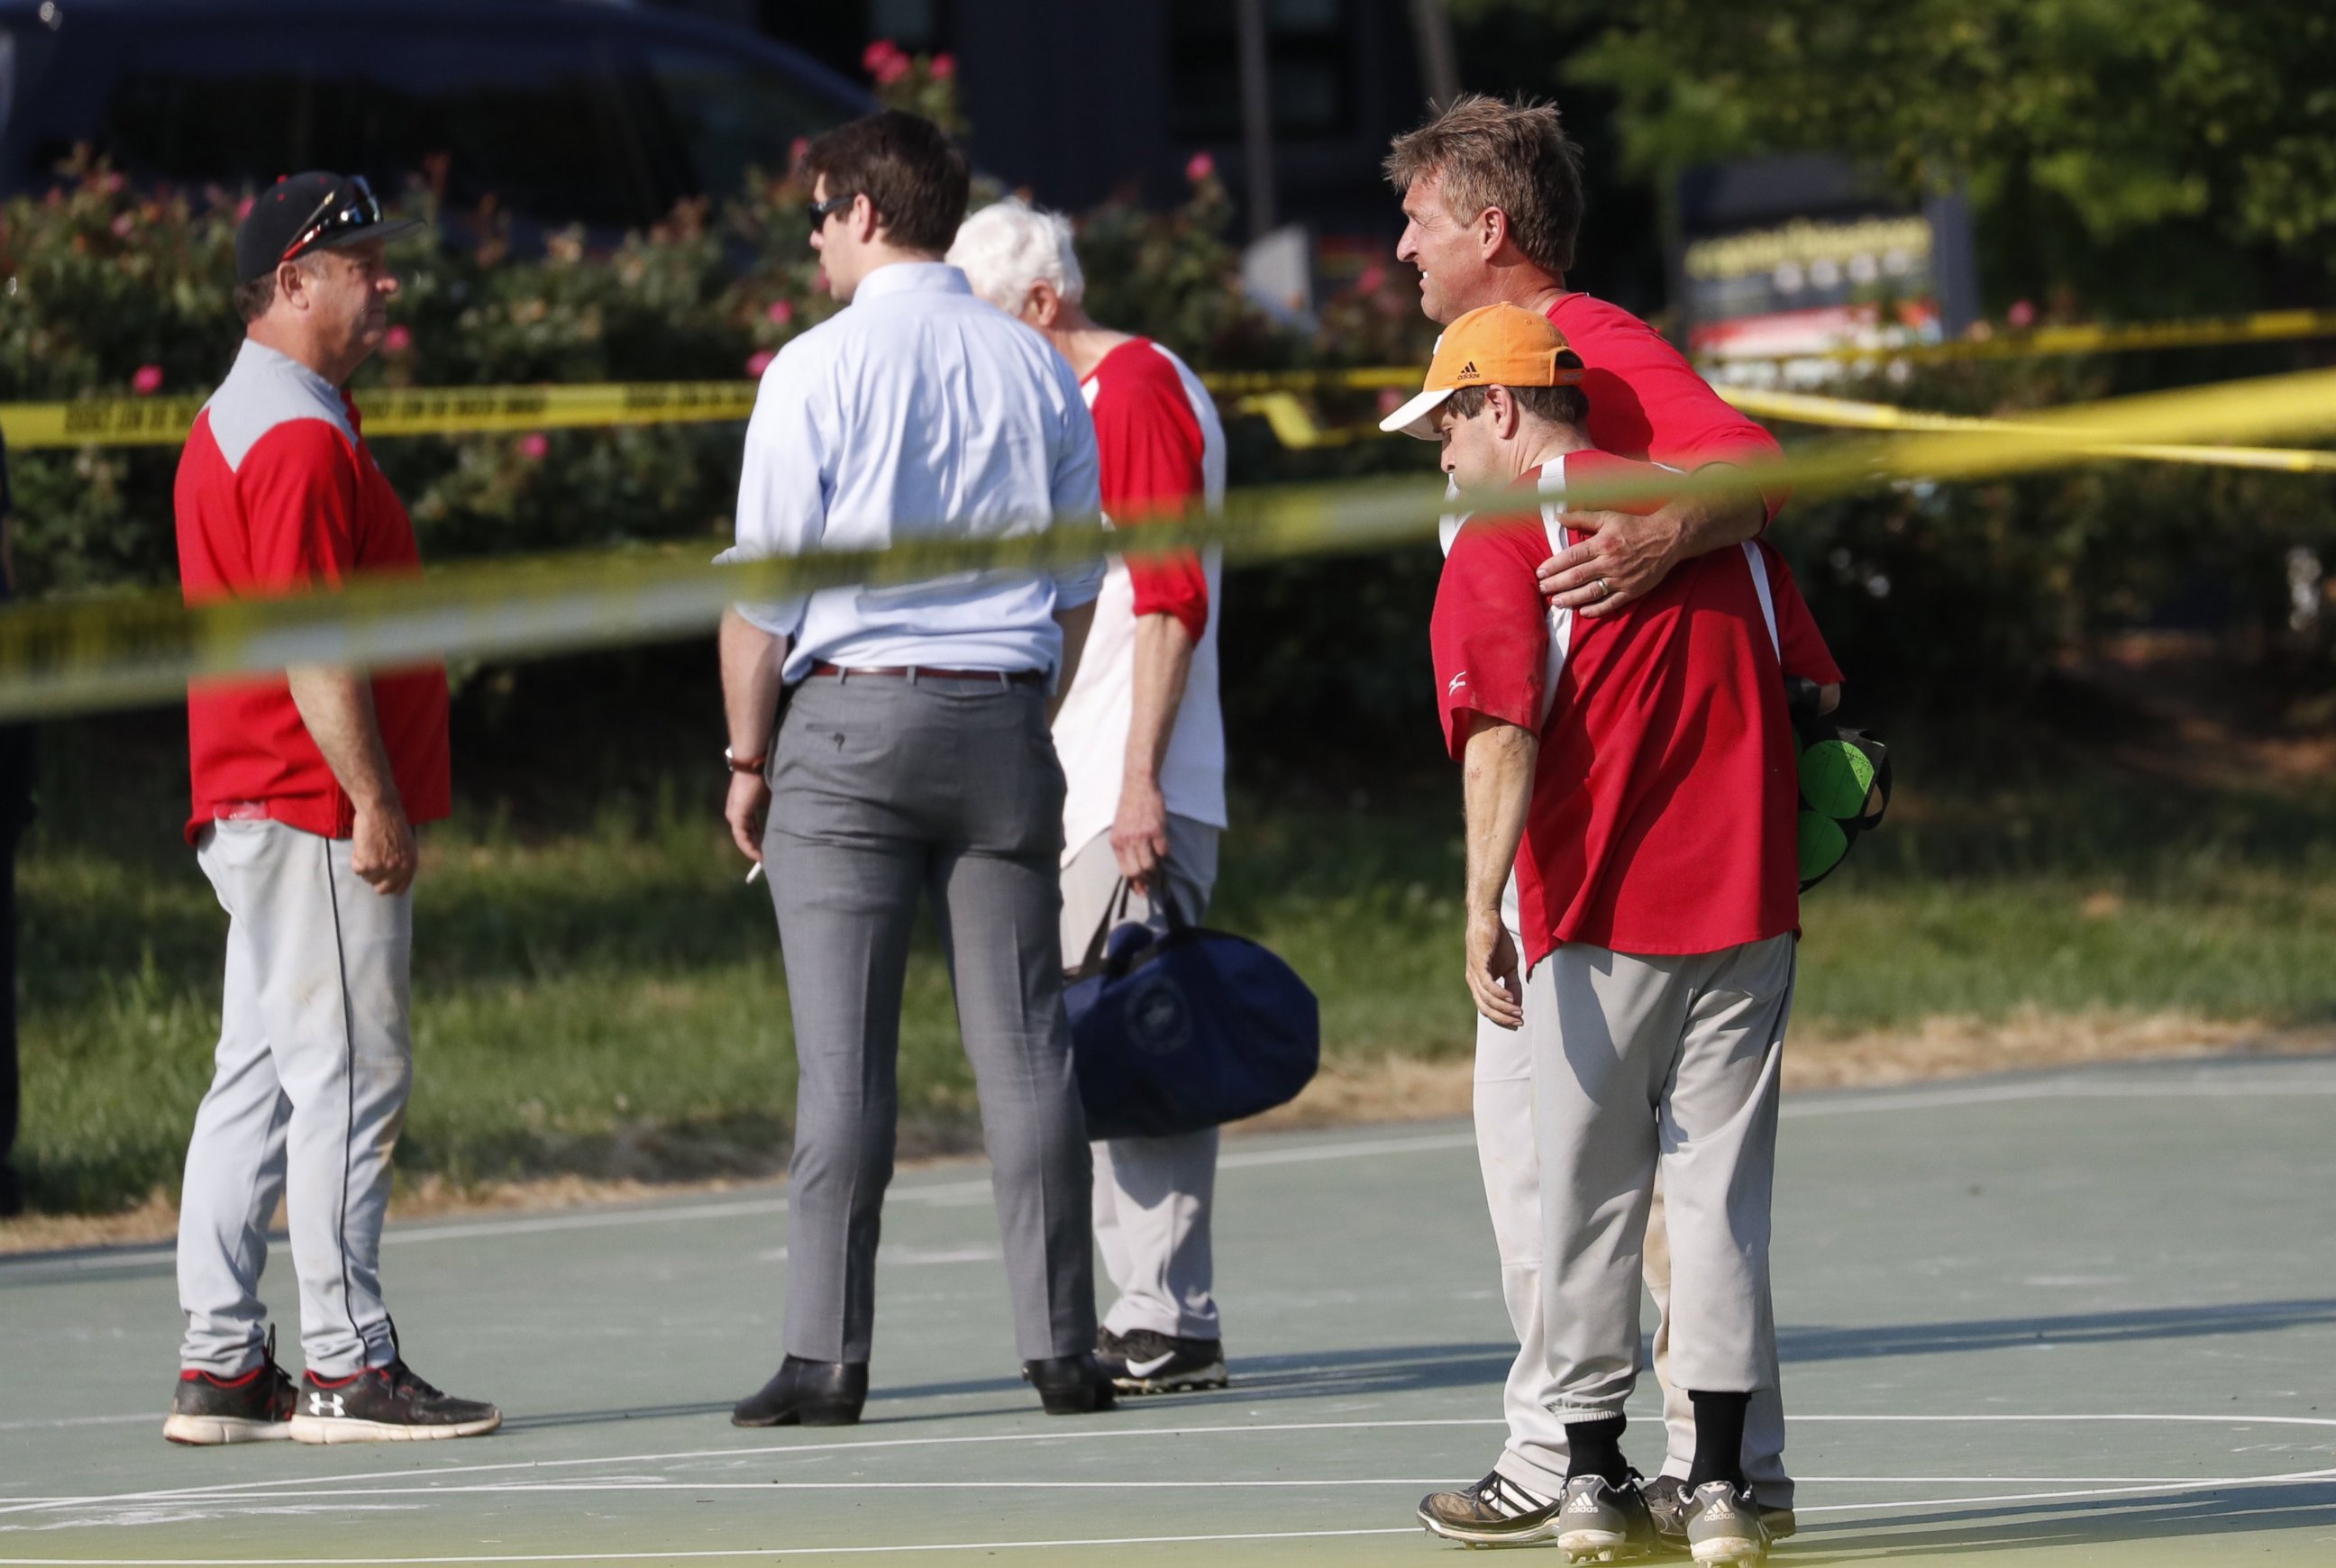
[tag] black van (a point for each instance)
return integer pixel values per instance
(563, 110)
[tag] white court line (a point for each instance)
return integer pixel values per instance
(75, 1421)
(2290, 1479)
(198, 1493)
(562, 1489)
(2051, 1089)
(313, 1562)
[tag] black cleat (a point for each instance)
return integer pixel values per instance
(1494, 1512)
(1670, 1501)
(1598, 1522)
(387, 1404)
(1724, 1526)
(1145, 1362)
(803, 1393)
(1069, 1385)
(255, 1407)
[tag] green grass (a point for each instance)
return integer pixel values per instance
(605, 996)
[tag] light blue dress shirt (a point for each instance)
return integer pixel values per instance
(919, 411)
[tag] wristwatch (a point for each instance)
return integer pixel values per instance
(748, 764)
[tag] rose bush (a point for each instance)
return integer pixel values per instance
(112, 291)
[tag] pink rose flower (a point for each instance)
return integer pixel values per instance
(535, 446)
(780, 313)
(398, 340)
(892, 69)
(124, 225)
(796, 150)
(243, 209)
(147, 380)
(2022, 315)
(877, 56)
(943, 67)
(760, 361)
(1202, 167)
(1370, 279)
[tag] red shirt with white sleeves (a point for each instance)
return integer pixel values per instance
(1664, 805)
(276, 494)
(1161, 448)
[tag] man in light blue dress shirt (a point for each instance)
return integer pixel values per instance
(888, 743)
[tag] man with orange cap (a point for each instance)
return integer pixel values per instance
(1634, 774)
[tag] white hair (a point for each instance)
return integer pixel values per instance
(1005, 247)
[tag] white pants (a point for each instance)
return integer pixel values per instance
(1153, 1196)
(305, 1102)
(1508, 1155)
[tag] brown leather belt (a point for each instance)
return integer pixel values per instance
(926, 672)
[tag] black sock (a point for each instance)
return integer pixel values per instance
(1718, 1437)
(1595, 1448)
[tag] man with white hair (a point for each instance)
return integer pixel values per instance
(1143, 750)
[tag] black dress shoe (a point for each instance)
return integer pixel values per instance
(806, 1394)
(1069, 1385)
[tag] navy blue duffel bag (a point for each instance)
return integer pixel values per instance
(1190, 1028)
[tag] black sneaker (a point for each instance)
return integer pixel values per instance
(1670, 1501)
(385, 1405)
(1598, 1522)
(1145, 1362)
(207, 1409)
(1494, 1512)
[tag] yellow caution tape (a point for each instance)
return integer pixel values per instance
(2265, 326)
(1799, 408)
(61, 658)
(388, 411)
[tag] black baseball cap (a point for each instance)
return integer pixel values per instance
(305, 212)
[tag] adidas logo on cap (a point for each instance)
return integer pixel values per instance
(1466, 371)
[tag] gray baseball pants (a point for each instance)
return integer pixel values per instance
(883, 790)
(1153, 1196)
(308, 1093)
(1509, 1154)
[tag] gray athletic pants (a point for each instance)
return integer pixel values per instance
(884, 789)
(307, 1098)
(1153, 1196)
(1510, 1157)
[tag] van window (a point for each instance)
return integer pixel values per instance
(532, 118)
(722, 117)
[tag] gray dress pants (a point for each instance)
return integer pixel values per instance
(883, 789)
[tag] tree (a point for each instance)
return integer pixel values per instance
(2180, 128)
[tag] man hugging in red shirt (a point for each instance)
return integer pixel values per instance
(1635, 772)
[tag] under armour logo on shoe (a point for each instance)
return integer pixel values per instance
(317, 1403)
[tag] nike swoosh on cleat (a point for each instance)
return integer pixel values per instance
(1145, 1368)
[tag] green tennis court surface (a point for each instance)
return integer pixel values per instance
(2078, 1317)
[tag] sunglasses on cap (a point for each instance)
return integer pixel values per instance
(359, 209)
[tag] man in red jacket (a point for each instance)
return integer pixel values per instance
(1493, 202)
(307, 790)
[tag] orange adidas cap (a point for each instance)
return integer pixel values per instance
(1492, 346)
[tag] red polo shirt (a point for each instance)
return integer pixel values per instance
(276, 494)
(1663, 812)
(1647, 402)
